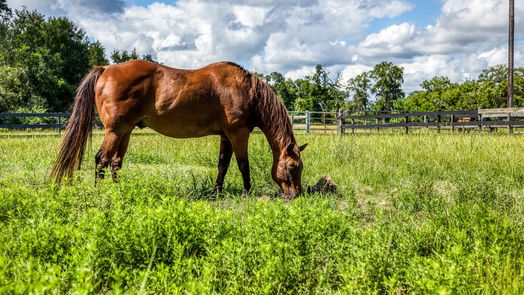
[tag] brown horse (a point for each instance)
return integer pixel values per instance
(219, 99)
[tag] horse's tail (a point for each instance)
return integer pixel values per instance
(79, 128)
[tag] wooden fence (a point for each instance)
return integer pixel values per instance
(344, 122)
(56, 117)
(488, 119)
(308, 121)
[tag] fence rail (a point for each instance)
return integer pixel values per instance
(59, 123)
(480, 119)
(344, 121)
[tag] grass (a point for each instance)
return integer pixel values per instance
(422, 213)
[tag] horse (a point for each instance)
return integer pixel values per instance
(219, 99)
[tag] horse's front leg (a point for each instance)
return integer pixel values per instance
(224, 158)
(239, 140)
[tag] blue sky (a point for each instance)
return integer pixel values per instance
(423, 13)
(453, 38)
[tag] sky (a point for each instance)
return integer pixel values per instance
(453, 38)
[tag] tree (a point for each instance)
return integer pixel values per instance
(359, 87)
(493, 87)
(69, 42)
(5, 11)
(5, 15)
(148, 57)
(387, 85)
(45, 60)
(119, 57)
(488, 91)
(438, 84)
(96, 55)
(284, 88)
(305, 99)
(319, 92)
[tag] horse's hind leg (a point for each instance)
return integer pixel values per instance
(118, 158)
(98, 159)
(109, 148)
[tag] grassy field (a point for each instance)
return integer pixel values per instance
(423, 213)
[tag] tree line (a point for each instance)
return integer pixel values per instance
(42, 60)
(380, 89)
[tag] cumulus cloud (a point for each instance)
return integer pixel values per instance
(293, 36)
(264, 35)
(468, 37)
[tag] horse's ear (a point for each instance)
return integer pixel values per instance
(292, 150)
(302, 147)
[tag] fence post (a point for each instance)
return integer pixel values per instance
(438, 123)
(480, 119)
(452, 119)
(407, 127)
(308, 122)
(324, 121)
(58, 122)
(510, 129)
(340, 121)
(352, 126)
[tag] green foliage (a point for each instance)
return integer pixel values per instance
(43, 60)
(5, 11)
(377, 89)
(490, 90)
(413, 214)
(119, 57)
(359, 88)
(96, 55)
(387, 85)
(317, 92)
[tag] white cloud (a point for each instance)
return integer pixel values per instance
(389, 42)
(293, 36)
(352, 71)
(250, 16)
(495, 56)
(390, 9)
(469, 36)
(300, 73)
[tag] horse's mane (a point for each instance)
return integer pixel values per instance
(273, 118)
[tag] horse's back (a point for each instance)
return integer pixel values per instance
(178, 103)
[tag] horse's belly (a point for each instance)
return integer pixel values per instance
(183, 126)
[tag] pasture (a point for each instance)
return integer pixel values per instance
(418, 213)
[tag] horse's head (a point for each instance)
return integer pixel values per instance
(287, 172)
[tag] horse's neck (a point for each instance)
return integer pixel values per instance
(273, 119)
(278, 138)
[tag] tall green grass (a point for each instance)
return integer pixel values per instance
(423, 213)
